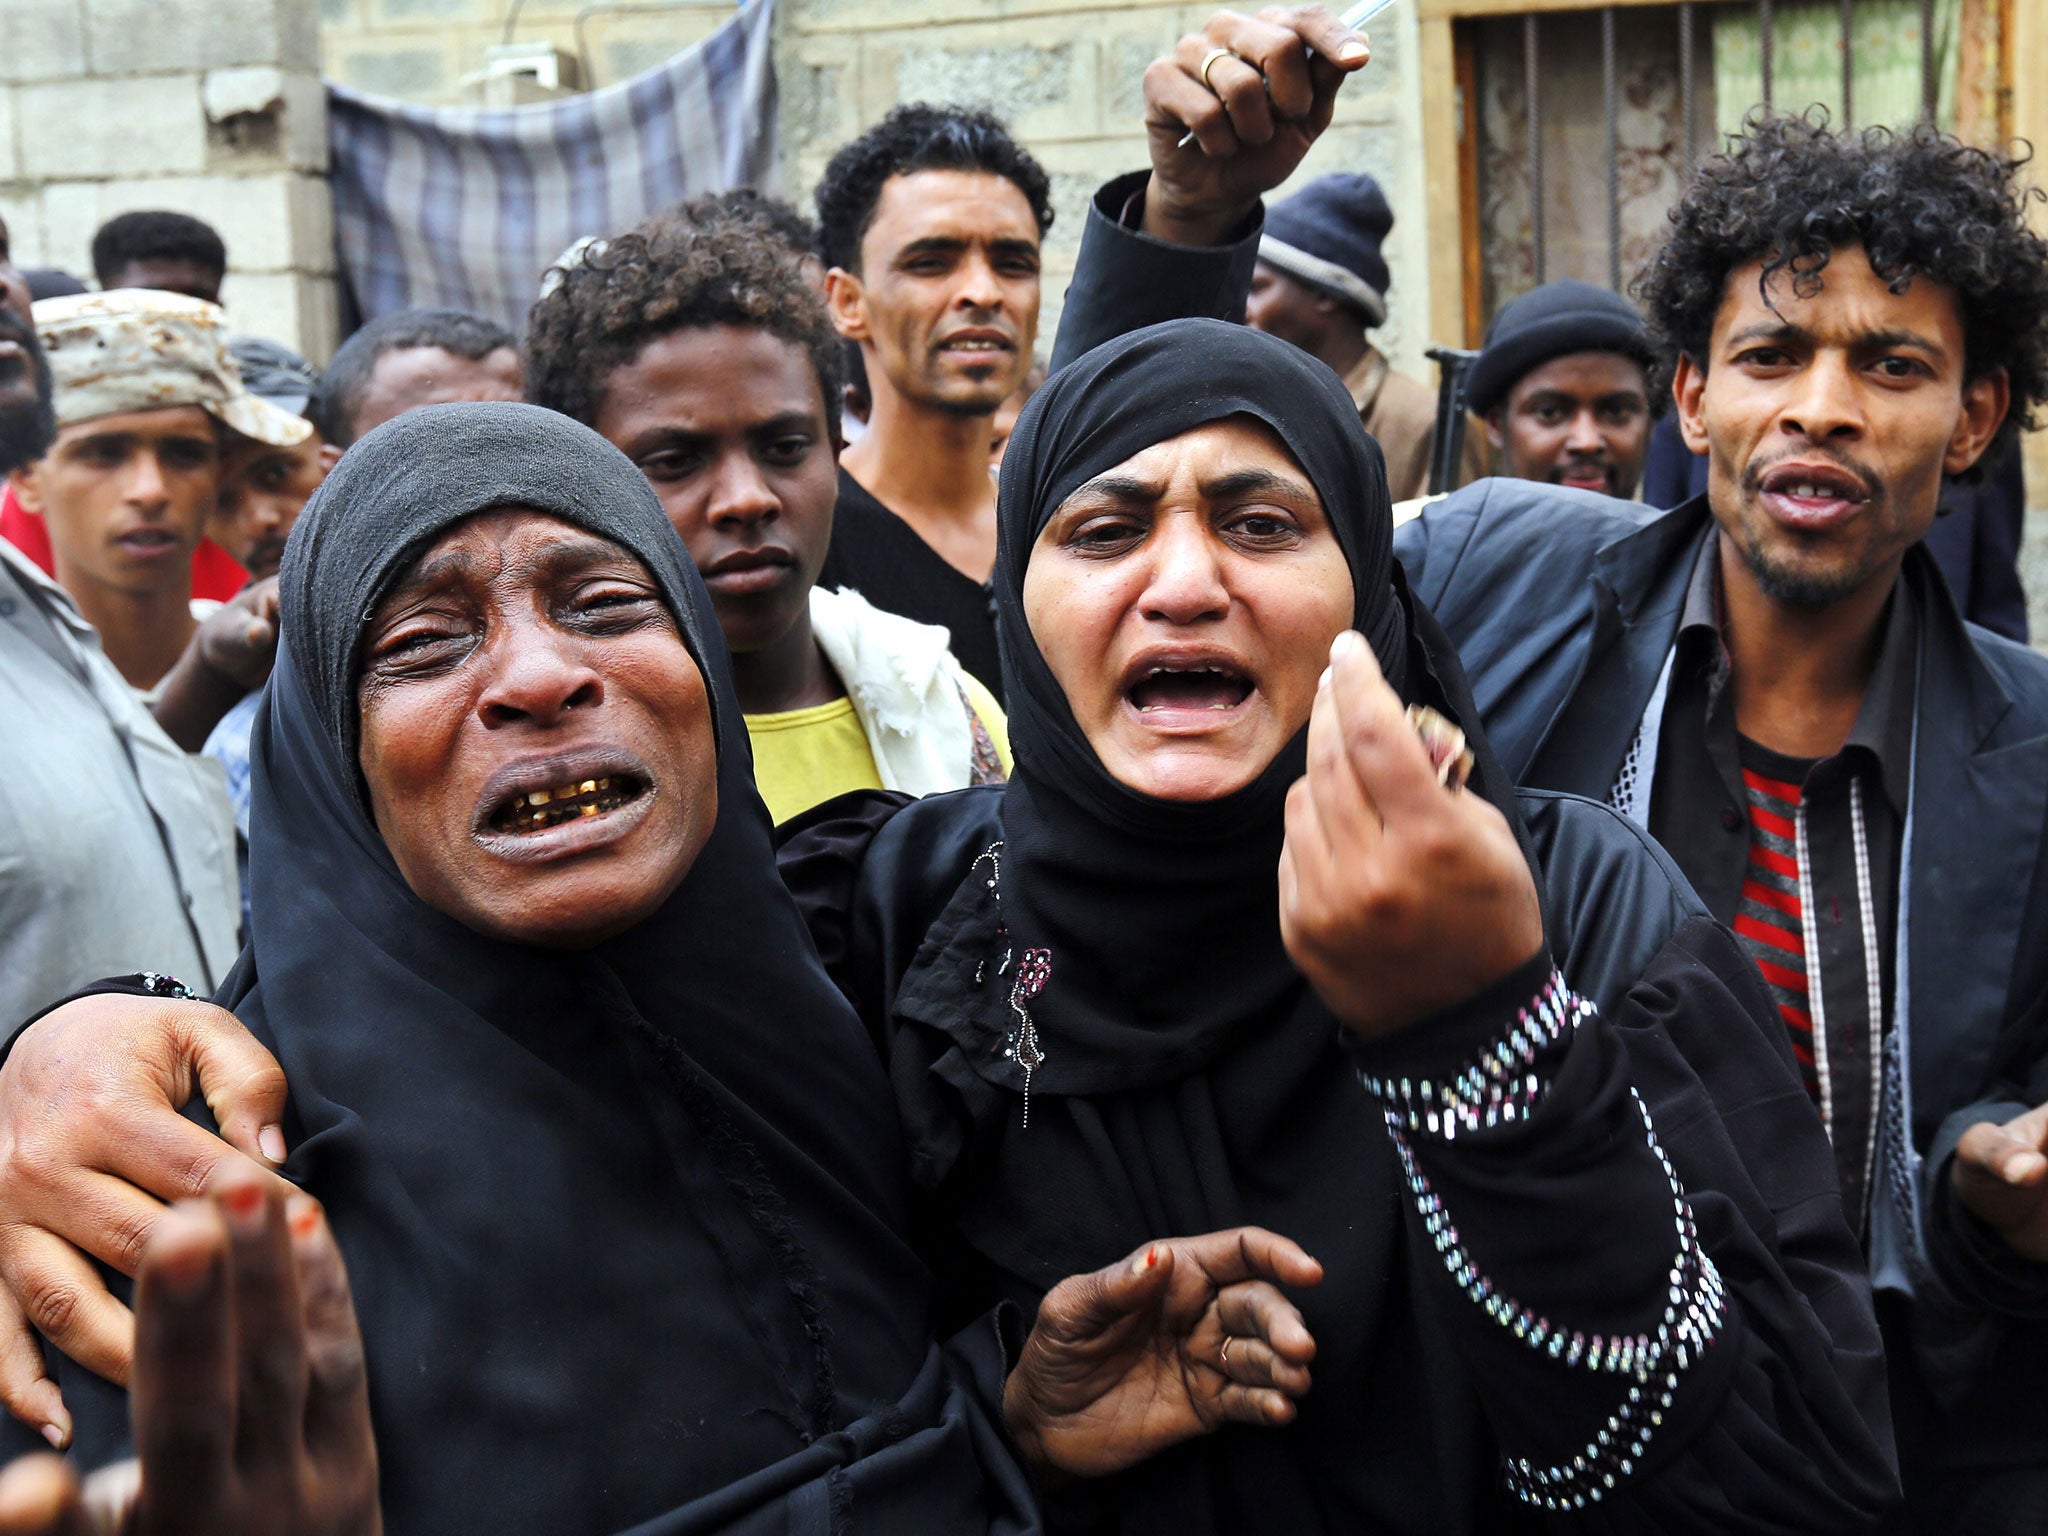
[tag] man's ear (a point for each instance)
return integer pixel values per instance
(1985, 402)
(1688, 392)
(846, 300)
(1496, 427)
(28, 489)
(329, 457)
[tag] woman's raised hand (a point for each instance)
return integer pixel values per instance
(91, 1148)
(249, 1397)
(1182, 1337)
(1399, 897)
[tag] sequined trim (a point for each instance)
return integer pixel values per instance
(1506, 1084)
(1502, 1086)
(1033, 970)
(158, 985)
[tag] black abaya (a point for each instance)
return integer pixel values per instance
(1191, 1080)
(623, 1226)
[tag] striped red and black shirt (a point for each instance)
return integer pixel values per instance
(1770, 916)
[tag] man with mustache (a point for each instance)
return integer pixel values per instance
(930, 223)
(115, 847)
(1563, 386)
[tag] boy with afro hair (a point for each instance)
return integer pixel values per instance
(699, 345)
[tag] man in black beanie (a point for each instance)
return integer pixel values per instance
(1563, 387)
(1321, 283)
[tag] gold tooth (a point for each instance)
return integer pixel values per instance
(588, 810)
(587, 787)
(539, 797)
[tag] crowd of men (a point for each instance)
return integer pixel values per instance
(1828, 738)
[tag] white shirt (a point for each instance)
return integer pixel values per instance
(117, 849)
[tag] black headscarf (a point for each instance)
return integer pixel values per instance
(1188, 888)
(623, 1225)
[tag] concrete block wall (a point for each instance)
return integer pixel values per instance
(208, 107)
(420, 50)
(1064, 73)
(1067, 76)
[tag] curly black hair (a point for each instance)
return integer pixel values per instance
(725, 260)
(918, 137)
(154, 234)
(1921, 203)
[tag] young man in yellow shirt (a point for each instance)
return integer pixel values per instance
(698, 344)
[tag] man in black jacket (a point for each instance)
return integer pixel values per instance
(1773, 679)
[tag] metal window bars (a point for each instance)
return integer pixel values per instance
(1688, 64)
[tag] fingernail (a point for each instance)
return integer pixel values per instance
(1323, 681)
(270, 1141)
(1353, 51)
(1146, 1261)
(245, 1204)
(302, 1215)
(1345, 644)
(187, 1273)
(57, 1435)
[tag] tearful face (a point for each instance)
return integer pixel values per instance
(1185, 601)
(536, 737)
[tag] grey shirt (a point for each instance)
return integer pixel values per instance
(117, 849)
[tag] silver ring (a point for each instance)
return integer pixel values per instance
(1223, 1355)
(1209, 62)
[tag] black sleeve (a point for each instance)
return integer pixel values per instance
(1643, 1254)
(1125, 280)
(820, 854)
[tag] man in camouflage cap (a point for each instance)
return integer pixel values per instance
(145, 390)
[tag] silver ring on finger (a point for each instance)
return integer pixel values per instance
(1223, 1355)
(1209, 62)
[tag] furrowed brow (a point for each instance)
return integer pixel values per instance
(933, 245)
(1248, 482)
(1127, 489)
(1779, 332)
(1899, 341)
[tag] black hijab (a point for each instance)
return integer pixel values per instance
(623, 1225)
(1187, 888)
(1192, 1080)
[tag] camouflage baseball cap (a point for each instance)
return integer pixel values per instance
(137, 349)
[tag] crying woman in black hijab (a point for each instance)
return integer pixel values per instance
(615, 1171)
(1241, 943)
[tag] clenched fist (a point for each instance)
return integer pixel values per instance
(1399, 896)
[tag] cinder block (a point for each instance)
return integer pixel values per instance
(299, 309)
(150, 36)
(103, 128)
(241, 90)
(41, 39)
(24, 216)
(70, 215)
(415, 73)
(1044, 90)
(10, 158)
(303, 143)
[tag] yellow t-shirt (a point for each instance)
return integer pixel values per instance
(804, 757)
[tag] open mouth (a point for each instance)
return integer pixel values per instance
(1176, 690)
(538, 810)
(1813, 495)
(981, 345)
